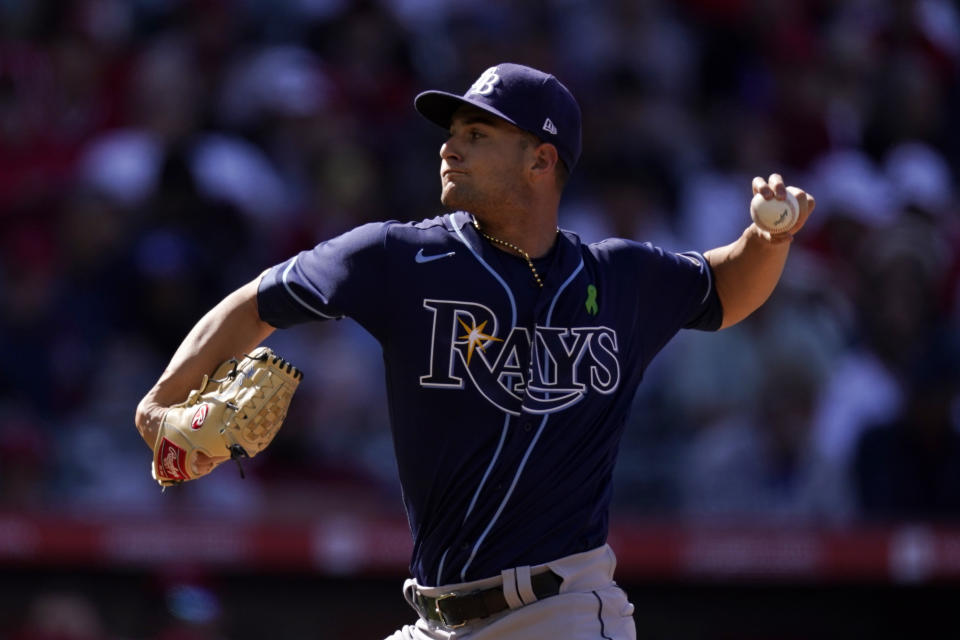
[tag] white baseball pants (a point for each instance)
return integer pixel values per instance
(589, 606)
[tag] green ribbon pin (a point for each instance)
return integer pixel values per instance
(591, 304)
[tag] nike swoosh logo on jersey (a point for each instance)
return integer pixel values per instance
(420, 258)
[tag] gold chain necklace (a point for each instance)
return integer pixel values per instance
(510, 245)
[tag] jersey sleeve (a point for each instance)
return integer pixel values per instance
(703, 309)
(673, 290)
(344, 276)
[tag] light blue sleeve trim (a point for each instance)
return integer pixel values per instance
(306, 305)
(704, 266)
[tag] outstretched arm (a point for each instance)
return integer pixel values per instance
(229, 330)
(747, 271)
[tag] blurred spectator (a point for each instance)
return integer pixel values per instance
(920, 179)
(195, 613)
(154, 155)
(763, 464)
(61, 616)
(899, 272)
(909, 467)
(23, 459)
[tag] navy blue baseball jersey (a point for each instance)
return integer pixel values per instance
(507, 401)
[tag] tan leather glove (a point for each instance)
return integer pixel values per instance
(234, 414)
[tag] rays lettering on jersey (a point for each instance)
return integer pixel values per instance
(549, 371)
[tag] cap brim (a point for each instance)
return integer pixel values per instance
(439, 106)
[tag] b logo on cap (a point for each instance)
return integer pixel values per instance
(486, 82)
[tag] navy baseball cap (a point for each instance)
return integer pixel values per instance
(525, 97)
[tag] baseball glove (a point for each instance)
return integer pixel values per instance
(235, 414)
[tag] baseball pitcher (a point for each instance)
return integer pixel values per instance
(512, 349)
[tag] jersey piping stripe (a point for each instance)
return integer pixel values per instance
(286, 273)
(513, 304)
(560, 290)
(506, 423)
(553, 303)
(443, 559)
(483, 481)
(526, 455)
(506, 498)
(496, 454)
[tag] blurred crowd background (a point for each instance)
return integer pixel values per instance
(156, 154)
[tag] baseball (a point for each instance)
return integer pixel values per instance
(775, 216)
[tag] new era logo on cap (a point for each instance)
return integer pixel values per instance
(530, 99)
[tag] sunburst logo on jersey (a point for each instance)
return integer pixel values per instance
(475, 337)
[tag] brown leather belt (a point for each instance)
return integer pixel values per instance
(455, 610)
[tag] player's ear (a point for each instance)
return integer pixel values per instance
(545, 159)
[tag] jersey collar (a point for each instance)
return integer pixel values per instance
(566, 261)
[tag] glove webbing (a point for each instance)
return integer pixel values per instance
(253, 428)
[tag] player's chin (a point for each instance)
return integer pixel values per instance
(451, 196)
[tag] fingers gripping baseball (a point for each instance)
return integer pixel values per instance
(778, 211)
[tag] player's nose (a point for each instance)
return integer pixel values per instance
(448, 151)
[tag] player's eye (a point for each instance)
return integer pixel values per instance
(470, 134)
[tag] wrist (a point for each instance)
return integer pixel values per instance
(755, 235)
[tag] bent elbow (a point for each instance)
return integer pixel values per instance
(147, 420)
(141, 415)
